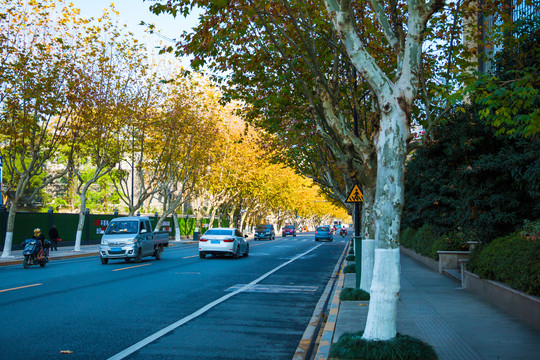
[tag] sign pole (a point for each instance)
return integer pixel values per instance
(356, 197)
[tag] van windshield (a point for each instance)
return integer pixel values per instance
(122, 227)
(263, 228)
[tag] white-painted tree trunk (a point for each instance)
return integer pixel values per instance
(78, 235)
(368, 234)
(8, 241)
(78, 238)
(368, 260)
(176, 228)
(389, 195)
(7, 245)
(384, 292)
(80, 225)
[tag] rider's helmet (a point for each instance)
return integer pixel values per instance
(37, 231)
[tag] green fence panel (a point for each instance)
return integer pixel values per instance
(66, 224)
(26, 222)
(94, 226)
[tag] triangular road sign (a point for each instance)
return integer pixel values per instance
(355, 196)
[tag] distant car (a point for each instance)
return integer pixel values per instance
(223, 241)
(324, 233)
(265, 231)
(288, 230)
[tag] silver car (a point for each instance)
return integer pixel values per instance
(223, 241)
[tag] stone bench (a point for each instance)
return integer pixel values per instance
(450, 259)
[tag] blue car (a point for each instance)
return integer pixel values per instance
(265, 232)
(324, 233)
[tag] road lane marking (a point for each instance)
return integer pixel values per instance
(132, 267)
(187, 257)
(20, 287)
(136, 347)
(263, 243)
(276, 289)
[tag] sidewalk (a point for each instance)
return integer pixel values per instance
(66, 252)
(435, 309)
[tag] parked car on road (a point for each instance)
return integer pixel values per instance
(223, 241)
(265, 231)
(288, 230)
(324, 233)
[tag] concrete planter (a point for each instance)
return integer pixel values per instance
(517, 303)
(524, 307)
(451, 259)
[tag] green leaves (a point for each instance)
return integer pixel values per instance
(473, 179)
(510, 97)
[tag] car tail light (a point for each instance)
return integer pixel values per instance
(203, 239)
(316, 232)
(329, 232)
(228, 240)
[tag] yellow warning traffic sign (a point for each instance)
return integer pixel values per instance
(355, 196)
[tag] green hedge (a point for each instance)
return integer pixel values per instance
(350, 294)
(512, 259)
(426, 241)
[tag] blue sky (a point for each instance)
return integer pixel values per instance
(132, 12)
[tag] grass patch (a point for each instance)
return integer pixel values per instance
(350, 294)
(402, 347)
(349, 269)
(350, 258)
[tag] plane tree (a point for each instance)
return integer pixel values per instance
(191, 116)
(40, 82)
(298, 90)
(371, 51)
(114, 64)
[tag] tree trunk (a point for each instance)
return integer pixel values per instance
(176, 227)
(368, 238)
(385, 286)
(212, 217)
(8, 242)
(80, 225)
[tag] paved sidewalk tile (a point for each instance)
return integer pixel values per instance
(457, 323)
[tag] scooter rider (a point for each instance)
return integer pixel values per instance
(39, 236)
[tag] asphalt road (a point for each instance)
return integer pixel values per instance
(181, 307)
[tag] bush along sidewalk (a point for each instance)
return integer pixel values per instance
(349, 269)
(351, 294)
(513, 259)
(353, 346)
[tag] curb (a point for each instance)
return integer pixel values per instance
(306, 346)
(63, 257)
(326, 341)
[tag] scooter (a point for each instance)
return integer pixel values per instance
(343, 232)
(34, 254)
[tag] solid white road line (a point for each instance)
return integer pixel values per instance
(20, 287)
(130, 350)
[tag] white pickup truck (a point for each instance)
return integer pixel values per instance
(132, 238)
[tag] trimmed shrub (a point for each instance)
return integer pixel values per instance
(349, 269)
(351, 294)
(426, 241)
(352, 346)
(513, 260)
(350, 258)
